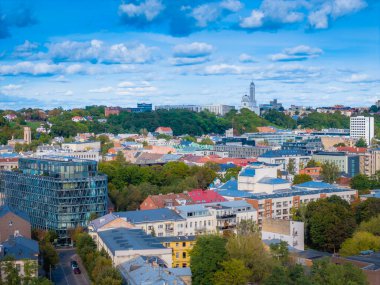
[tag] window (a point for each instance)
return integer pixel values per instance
(177, 255)
(176, 244)
(184, 265)
(183, 254)
(184, 244)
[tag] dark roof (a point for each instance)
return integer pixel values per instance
(129, 239)
(312, 254)
(373, 260)
(155, 215)
(6, 209)
(21, 248)
(284, 152)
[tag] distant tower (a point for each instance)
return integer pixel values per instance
(252, 94)
(27, 135)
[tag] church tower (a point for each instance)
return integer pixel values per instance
(252, 94)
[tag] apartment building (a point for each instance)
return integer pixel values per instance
(299, 158)
(362, 127)
(181, 246)
(241, 151)
(347, 164)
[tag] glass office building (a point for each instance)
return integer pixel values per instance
(58, 193)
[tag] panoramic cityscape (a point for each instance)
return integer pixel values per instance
(218, 142)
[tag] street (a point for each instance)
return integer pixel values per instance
(64, 275)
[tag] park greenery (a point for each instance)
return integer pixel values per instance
(364, 183)
(130, 184)
(242, 258)
(97, 263)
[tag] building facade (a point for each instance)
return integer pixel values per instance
(249, 102)
(181, 246)
(57, 193)
(362, 127)
(347, 164)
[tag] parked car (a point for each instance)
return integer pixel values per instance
(76, 270)
(74, 264)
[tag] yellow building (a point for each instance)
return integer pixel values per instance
(181, 246)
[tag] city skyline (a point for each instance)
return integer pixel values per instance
(196, 52)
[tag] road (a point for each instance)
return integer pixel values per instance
(64, 275)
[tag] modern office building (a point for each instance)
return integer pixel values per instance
(347, 164)
(309, 145)
(272, 139)
(57, 193)
(362, 127)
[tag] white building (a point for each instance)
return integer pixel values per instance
(249, 102)
(82, 146)
(286, 230)
(123, 244)
(219, 110)
(284, 156)
(362, 127)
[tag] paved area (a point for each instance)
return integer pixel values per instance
(64, 275)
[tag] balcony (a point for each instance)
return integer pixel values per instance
(169, 230)
(226, 227)
(226, 216)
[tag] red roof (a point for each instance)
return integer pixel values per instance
(200, 196)
(351, 149)
(164, 129)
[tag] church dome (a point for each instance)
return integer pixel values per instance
(245, 98)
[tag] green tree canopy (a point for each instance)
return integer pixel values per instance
(330, 172)
(359, 242)
(372, 226)
(301, 178)
(361, 143)
(361, 182)
(206, 258)
(367, 209)
(234, 272)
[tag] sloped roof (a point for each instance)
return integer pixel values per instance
(21, 248)
(155, 215)
(161, 201)
(6, 209)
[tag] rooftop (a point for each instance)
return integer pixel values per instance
(372, 259)
(271, 181)
(284, 152)
(155, 215)
(21, 248)
(129, 239)
(315, 185)
(176, 239)
(6, 209)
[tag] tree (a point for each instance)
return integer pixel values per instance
(291, 168)
(10, 271)
(246, 227)
(49, 255)
(233, 273)
(361, 143)
(330, 222)
(330, 172)
(301, 178)
(359, 242)
(372, 226)
(206, 258)
(291, 275)
(367, 209)
(280, 119)
(361, 182)
(280, 251)
(373, 109)
(250, 250)
(206, 141)
(231, 173)
(324, 272)
(312, 163)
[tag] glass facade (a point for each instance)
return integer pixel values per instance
(57, 193)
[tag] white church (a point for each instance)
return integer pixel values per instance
(249, 102)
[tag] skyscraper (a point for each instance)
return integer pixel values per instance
(362, 127)
(249, 102)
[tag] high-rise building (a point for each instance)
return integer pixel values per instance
(27, 135)
(57, 193)
(249, 102)
(362, 127)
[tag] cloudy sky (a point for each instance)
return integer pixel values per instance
(112, 52)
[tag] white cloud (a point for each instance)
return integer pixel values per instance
(231, 5)
(149, 9)
(188, 60)
(195, 49)
(102, 90)
(31, 68)
(246, 58)
(301, 52)
(255, 20)
(205, 14)
(132, 88)
(222, 69)
(10, 87)
(319, 18)
(96, 51)
(126, 84)
(359, 78)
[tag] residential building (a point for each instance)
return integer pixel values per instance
(314, 172)
(57, 193)
(278, 198)
(164, 131)
(159, 222)
(8, 163)
(289, 231)
(309, 145)
(13, 223)
(111, 111)
(181, 246)
(106, 222)
(152, 271)
(82, 146)
(347, 164)
(219, 110)
(241, 151)
(362, 127)
(298, 158)
(271, 139)
(24, 252)
(124, 244)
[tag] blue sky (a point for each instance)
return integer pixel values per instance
(77, 53)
